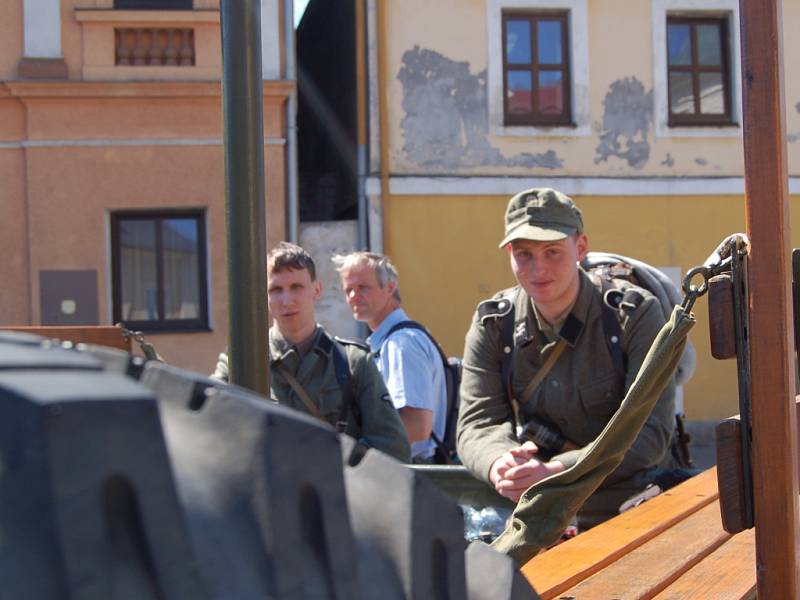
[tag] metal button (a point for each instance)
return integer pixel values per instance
(554, 383)
(614, 339)
(507, 349)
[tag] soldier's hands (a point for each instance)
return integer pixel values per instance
(517, 470)
(512, 458)
(525, 452)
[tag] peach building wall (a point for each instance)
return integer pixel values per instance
(72, 151)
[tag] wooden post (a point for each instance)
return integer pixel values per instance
(771, 341)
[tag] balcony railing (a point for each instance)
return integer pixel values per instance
(154, 46)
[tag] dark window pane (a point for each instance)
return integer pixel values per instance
(709, 50)
(551, 92)
(681, 97)
(181, 269)
(548, 42)
(518, 42)
(712, 94)
(520, 88)
(139, 293)
(679, 42)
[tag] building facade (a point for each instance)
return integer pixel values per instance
(112, 195)
(632, 108)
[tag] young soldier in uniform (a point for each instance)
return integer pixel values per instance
(303, 360)
(406, 358)
(558, 314)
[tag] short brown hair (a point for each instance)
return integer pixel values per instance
(292, 257)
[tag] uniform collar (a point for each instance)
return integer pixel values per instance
(526, 325)
(280, 347)
(377, 337)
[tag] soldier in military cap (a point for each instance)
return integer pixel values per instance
(549, 382)
(311, 371)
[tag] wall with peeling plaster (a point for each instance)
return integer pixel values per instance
(438, 56)
(438, 62)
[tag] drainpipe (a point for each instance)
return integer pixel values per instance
(292, 194)
(383, 102)
(361, 124)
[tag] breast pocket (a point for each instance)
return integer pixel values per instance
(600, 400)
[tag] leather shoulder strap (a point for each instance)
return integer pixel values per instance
(300, 391)
(543, 371)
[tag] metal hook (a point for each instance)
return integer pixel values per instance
(689, 287)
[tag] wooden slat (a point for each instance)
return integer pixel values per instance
(102, 335)
(650, 568)
(728, 573)
(566, 565)
(775, 482)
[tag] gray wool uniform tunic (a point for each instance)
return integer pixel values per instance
(380, 425)
(579, 394)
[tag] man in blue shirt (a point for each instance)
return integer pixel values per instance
(407, 358)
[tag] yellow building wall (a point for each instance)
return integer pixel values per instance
(445, 248)
(452, 56)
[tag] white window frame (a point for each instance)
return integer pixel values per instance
(579, 67)
(661, 9)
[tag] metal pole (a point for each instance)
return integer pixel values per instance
(771, 341)
(361, 120)
(243, 107)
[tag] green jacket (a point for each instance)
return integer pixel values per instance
(580, 393)
(377, 422)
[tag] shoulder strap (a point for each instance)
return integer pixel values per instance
(543, 371)
(342, 370)
(611, 327)
(420, 327)
(298, 389)
(507, 341)
(409, 324)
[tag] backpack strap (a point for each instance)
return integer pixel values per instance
(612, 299)
(410, 324)
(341, 369)
(507, 340)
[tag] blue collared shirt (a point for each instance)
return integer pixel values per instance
(412, 369)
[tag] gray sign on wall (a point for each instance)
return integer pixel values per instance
(68, 297)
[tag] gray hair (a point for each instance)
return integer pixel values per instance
(385, 271)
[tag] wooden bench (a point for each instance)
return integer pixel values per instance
(672, 546)
(101, 335)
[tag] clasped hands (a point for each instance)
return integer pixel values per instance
(518, 469)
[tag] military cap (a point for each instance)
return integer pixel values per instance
(541, 215)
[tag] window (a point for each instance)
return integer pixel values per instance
(159, 270)
(540, 49)
(536, 69)
(698, 71)
(153, 4)
(721, 13)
